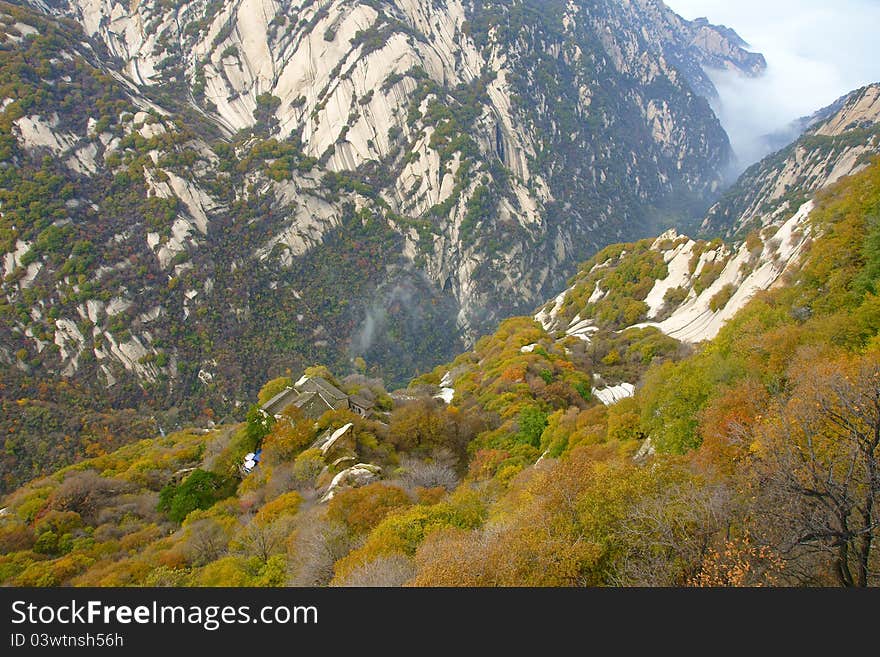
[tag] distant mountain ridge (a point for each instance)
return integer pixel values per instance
(839, 140)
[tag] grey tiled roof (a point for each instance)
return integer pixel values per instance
(314, 397)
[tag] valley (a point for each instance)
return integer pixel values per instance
(383, 293)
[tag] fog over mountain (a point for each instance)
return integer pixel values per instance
(816, 51)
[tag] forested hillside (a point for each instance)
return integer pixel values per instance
(198, 196)
(748, 459)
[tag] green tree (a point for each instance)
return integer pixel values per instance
(199, 491)
(258, 426)
(532, 422)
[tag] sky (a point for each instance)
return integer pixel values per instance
(816, 51)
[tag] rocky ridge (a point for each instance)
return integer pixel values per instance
(689, 289)
(253, 138)
(838, 144)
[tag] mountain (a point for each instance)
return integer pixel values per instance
(201, 195)
(231, 52)
(749, 459)
(685, 412)
(689, 289)
(841, 140)
(779, 139)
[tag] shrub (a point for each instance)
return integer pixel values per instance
(199, 491)
(402, 532)
(273, 387)
(84, 492)
(709, 274)
(287, 504)
(15, 536)
(307, 467)
(624, 420)
(674, 296)
(361, 509)
(287, 439)
(532, 421)
(720, 299)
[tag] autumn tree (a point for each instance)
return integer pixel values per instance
(361, 509)
(737, 563)
(263, 539)
(85, 492)
(15, 535)
(385, 571)
(206, 539)
(820, 476)
(316, 545)
(427, 424)
(272, 388)
(726, 422)
(437, 472)
(666, 531)
(417, 424)
(287, 438)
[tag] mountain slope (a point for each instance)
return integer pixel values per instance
(369, 87)
(235, 51)
(839, 143)
(753, 473)
(202, 195)
(689, 289)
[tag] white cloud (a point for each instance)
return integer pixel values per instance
(816, 50)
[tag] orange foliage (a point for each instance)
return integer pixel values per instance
(287, 439)
(485, 462)
(739, 563)
(727, 421)
(175, 557)
(429, 496)
(514, 373)
(361, 509)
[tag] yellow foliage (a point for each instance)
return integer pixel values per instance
(142, 537)
(272, 388)
(624, 420)
(228, 571)
(55, 572)
(361, 509)
(403, 531)
(286, 504)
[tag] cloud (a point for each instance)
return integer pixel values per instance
(376, 317)
(816, 50)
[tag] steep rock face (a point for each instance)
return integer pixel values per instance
(689, 289)
(687, 45)
(237, 187)
(295, 49)
(838, 143)
(344, 77)
(697, 286)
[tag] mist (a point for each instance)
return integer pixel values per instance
(376, 317)
(816, 51)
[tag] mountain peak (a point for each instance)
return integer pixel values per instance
(860, 109)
